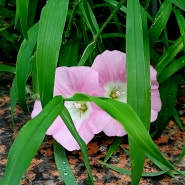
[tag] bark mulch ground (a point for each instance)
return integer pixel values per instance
(43, 171)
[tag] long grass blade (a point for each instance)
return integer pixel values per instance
(169, 54)
(23, 65)
(160, 21)
(138, 78)
(22, 15)
(28, 141)
(63, 165)
(51, 26)
(179, 3)
(70, 125)
(171, 69)
(7, 68)
(132, 124)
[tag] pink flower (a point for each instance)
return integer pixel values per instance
(111, 66)
(87, 117)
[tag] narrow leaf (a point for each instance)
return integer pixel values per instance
(171, 69)
(28, 141)
(160, 21)
(179, 3)
(169, 54)
(138, 78)
(88, 50)
(23, 66)
(13, 98)
(114, 146)
(70, 125)
(132, 124)
(63, 165)
(51, 26)
(7, 68)
(22, 15)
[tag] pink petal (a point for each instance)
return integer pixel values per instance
(70, 80)
(97, 120)
(36, 109)
(153, 78)
(156, 100)
(111, 66)
(114, 128)
(154, 115)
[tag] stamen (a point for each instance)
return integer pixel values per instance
(81, 106)
(77, 105)
(114, 94)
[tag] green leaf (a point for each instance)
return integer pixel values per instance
(181, 23)
(70, 125)
(69, 53)
(28, 141)
(22, 15)
(168, 92)
(88, 51)
(138, 78)
(89, 16)
(128, 172)
(171, 69)
(113, 148)
(7, 68)
(160, 21)
(63, 165)
(181, 155)
(169, 55)
(23, 65)
(51, 26)
(132, 124)
(13, 98)
(179, 3)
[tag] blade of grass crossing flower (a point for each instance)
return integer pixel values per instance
(22, 15)
(28, 141)
(179, 3)
(7, 68)
(70, 125)
(138, 80)
(132, 124)
(23, 66)
(160, 21)
(51, 26)
(63, 165)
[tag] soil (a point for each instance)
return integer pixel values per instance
(43, 171)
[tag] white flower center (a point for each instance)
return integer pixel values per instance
(79, 111)
(116, 90)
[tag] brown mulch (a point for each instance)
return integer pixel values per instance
(43, 171)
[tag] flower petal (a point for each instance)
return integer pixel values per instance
(110, 66)
(114, 128)
(70, 80)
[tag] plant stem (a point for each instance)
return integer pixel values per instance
(119, 5)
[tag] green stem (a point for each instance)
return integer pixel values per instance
(119, 5)
(71, 18)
